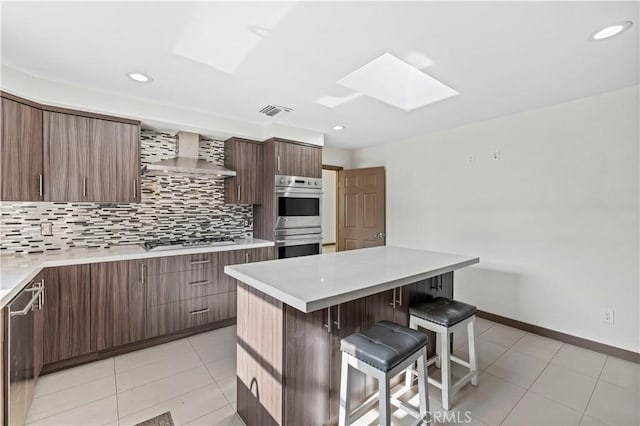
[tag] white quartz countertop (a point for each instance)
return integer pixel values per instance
(316, 282)
(16, 271)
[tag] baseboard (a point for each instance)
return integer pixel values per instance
(328, 244)
(563, 337)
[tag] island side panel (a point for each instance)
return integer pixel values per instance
(307, 367)
(259, 358)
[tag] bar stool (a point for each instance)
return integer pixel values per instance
(383, 351)
(443, 316)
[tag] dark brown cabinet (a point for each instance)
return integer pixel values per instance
(296, 159)
(245, 157)
(67, 312)
(118, 303)
(282, 157)
(189, 291)
(21, 150)
(90, 159)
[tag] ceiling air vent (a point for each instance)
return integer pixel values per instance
(272, 110)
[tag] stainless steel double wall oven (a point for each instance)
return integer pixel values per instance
(298, 216)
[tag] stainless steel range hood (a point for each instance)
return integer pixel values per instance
(187, 160)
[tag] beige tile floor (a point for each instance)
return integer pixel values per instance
(525, 380)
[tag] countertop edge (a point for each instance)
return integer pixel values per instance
(315, 305)
(6, 295)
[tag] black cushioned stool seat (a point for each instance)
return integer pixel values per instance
(384, 345)
(443, 311)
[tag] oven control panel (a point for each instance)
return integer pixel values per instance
(283, 181)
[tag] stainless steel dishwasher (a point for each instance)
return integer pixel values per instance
(22, 344)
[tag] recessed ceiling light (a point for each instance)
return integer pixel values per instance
(612, 30)
(338, 127)
(139, 77)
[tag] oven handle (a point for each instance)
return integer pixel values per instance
(298, 242)
(299, 194)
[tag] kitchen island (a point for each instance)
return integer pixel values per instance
(292, 313)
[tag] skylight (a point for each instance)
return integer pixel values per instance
(395, 82)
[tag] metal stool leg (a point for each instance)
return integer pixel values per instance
(345, 378)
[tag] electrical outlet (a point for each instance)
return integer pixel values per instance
(494, 155)
(471, 159)
(46, 229)
(606, 315)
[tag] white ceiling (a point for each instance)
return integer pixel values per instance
(232, 59)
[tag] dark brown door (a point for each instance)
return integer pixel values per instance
(348, 318)
(66, 153)
(298, 160)
(67, 330)
(245, 157)
(114, 159)
(117, 304)
(21, 151)
(361, 204)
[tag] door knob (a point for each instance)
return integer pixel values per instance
(378, 235)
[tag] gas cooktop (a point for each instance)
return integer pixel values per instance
(158, 245)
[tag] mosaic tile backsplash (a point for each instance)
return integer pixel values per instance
(173, 206)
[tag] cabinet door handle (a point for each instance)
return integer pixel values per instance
(41, 185)
(337, 322)
(400, 298)
(278, 163)
(200, 262)
(135, 189)
(197, 283)
(199, 311)
(84, 186)
(328, 324)
(142, 273)
(246, 257)
(393, 303)
(238, 194)
(42, 294)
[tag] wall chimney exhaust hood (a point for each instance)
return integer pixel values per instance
(187, 160)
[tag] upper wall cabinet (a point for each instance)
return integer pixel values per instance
(296, 159)
(90, 157)
(21, 150)
(245, 157)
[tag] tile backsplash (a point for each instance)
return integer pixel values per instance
(172, 206)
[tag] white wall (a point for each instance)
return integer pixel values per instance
(329, 206)
(334, 156)
(554, 221)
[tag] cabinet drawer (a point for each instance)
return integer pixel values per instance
(190, 262)
(176, 286)
(176, 316)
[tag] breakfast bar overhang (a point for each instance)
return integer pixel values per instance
(292, 313)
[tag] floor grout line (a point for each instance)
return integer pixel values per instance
(586, 407)
(115, 378)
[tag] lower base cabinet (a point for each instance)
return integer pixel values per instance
(171, 317)
(67, 312)
(118, 304)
